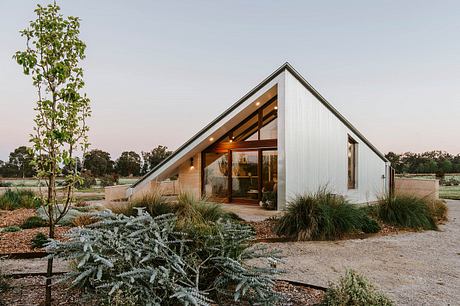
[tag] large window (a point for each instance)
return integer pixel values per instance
(245, 178)
(352, 150)
(242, 165)
(261, 125)
(216, 175)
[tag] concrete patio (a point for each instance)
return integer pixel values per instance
(250, 212)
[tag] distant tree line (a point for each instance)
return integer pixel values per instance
(96, 163)
(438, 162)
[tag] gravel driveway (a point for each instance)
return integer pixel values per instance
(412, 268)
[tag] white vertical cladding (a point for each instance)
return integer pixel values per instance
(315, 149)
(281, 143)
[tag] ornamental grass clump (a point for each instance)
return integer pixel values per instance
(323, 216)
(188, 208)
(147, 258)
(354, 289)
(438, 210)
(20, 198)
(34, 222)
(407, 211)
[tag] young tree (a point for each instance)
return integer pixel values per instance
(98, 162)
(129, 163)
(52, 55)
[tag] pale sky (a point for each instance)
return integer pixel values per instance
(157, 72)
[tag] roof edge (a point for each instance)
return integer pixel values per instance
(212, 123)
(286, 66)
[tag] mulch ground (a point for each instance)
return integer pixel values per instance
(30, 291)
(299, 295)
(264, 229)
(21, 242)
(15, 217)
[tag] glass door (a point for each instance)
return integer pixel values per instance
(245, 176)
(269, 174)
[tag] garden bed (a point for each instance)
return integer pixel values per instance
(15, 217)
(31, 291)
(20, 242)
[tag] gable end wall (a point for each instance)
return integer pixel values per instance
(315, 149)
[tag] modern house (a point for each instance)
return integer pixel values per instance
(281, 139)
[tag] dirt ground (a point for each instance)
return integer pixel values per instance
(421, 268)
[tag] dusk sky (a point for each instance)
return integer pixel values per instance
(157, 72)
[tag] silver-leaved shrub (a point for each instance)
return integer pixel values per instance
(145, 260)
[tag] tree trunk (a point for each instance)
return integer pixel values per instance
(49, 269)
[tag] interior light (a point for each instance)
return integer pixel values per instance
(191, 163)
(258, 103)
(276, 107)
(211, 139)
(231, 140)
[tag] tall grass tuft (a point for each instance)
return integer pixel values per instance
(154, 202)
(323, 216)
(407, 211)
(188, 208)
(20, 198)
(354, 289)
(34, 222)
(438, 210)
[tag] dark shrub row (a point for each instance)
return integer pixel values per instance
(325, 216)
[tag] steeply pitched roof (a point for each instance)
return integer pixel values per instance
(301, 79)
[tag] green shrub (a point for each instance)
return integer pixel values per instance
(354, 289)
(108, 180)
(406, 211)
(11, 229)
(323, 216)
(269, 200)
(39, 240)
(86, 181)
(33, 222)
(370, 226)
(145, 257)
(19, 198)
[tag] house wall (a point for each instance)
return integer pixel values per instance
(314, 142)
(114, 193)
(190, 177)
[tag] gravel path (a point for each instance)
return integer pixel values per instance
(36, 265)
(412, 268)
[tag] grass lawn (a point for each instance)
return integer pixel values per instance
(445, 192)
(127, 180)
(449, 192)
